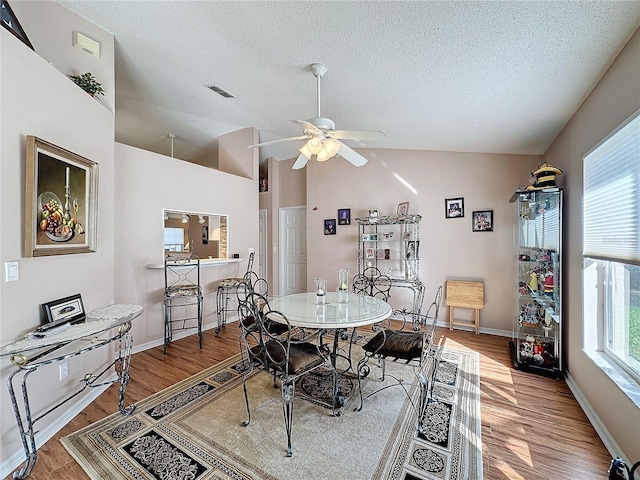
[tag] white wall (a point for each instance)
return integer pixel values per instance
(37, 99)
(145, 184)
(614, 99)
(448, 247)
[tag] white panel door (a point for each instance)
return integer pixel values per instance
(293, 250)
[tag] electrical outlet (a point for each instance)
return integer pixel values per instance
(251, 250)
(64, 370)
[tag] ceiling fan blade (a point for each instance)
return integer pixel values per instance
(307, 125)
(300, 162)
(358, 134)
(302, 137)
(351, 155)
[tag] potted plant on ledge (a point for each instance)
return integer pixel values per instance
(88, 83)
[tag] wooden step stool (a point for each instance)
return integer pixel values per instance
(466, 295)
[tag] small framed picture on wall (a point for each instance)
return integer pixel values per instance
(330, 226)
(483, 221)
(454, 207)
(344, 216)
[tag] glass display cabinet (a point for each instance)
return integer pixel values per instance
(537, 341)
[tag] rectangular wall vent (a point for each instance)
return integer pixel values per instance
(220, 91)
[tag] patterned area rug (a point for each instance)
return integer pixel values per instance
(192, 431)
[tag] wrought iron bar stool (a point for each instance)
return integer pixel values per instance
(182, 291)
(227, 290)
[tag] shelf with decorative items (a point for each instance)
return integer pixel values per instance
(537, 334)
(391, 245)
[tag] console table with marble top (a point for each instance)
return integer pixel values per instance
(101, 327)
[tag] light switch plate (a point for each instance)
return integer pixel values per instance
(11, 271)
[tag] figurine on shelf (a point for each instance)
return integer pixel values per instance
(523, 288)
(549, 283)
(529, 316)
(533, 281)
(526, 351)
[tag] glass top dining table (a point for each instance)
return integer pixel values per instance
(302, 311)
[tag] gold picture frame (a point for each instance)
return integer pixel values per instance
(61, 201)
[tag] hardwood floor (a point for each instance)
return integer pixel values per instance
(532, 426)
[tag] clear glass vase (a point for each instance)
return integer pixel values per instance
(343, 285)
(321, 291)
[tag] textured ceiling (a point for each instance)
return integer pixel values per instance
(469, 76)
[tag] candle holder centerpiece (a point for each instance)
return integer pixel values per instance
(343, 285)
(321, 291)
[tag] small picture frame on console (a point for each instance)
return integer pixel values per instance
(64, 310)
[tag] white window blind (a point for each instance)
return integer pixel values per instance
(611, 224)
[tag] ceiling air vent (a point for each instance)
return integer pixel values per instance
(220, 91)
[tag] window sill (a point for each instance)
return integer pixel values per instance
(622, 379)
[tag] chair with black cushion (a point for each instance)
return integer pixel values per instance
(227, 287)
(412, 344)
(253, 290)
(182, 293)
(283, 356)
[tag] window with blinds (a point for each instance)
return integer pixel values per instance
(611, 225)
(611, 246)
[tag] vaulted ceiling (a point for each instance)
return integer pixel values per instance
(469, 76)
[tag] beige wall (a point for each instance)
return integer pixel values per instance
(37, 99)
(49, 28)
(287, 188)
(615, 98)
(145, 184)
(448, 247)
(234, 156)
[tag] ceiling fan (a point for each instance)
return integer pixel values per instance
(323, 140)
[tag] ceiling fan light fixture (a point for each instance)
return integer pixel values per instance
(305, 151)
(332, 146)
(314, 145)
(323, 156)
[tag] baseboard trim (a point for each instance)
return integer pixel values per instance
(160, 341)
(488, 331)
(609, 442)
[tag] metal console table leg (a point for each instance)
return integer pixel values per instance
(26, 366)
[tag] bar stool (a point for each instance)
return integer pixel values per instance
(227, 289)
(182, 291)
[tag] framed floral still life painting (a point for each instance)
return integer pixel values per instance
(61, 201)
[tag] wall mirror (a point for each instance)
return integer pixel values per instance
(204, 234)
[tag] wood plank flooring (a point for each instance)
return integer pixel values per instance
(532, 426)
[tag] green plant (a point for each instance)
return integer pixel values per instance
(88, 83)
